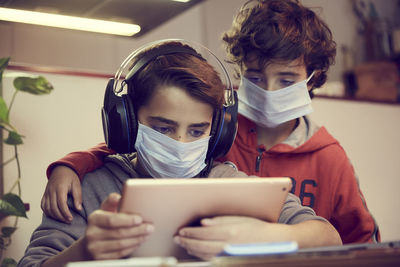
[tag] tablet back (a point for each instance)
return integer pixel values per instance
(173, 203)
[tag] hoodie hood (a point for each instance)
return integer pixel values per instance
(307, 137)
(120, 165)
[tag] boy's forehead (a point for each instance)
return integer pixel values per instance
(256, 64)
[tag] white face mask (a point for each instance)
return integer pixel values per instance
(164, 157)
(272, 108)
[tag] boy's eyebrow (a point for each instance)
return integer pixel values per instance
(164, 120)
(288, 73)
(174, 123)
(199, 125)
(252, 70)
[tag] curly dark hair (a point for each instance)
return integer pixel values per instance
(279, 31)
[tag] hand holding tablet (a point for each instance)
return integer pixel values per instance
(174, 203)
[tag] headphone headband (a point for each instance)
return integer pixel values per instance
(153, 54)
(229, 97)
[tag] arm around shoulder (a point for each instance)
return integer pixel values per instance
(82, 162)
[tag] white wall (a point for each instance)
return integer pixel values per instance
(37, 45)
(369, 133)
(69, 118)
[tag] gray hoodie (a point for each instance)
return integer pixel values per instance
(52, 236)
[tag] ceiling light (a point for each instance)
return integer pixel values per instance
(68, 22)
(183, 1)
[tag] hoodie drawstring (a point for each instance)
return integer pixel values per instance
(259, 158)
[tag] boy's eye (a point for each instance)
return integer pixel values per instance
(196, 133)
(163, 129)
(255, 80)
(285, 83)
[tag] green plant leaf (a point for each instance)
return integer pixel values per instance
(11, 204)
(14, 138)
(4, 63)
(7, 231)
(36, 86)
(3, 111)
(8, 262)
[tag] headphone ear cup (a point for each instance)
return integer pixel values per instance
(223, 130)
(119, 121)
(215, 126)
(132, 122)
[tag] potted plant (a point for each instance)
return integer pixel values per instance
(11, 203)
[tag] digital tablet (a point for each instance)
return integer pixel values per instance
(173, 203)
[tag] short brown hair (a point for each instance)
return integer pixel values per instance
(189, 72)
(281, 30)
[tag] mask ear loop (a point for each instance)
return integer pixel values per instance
(310, 92)
(309, 77)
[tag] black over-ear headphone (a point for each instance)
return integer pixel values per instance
(120, 124)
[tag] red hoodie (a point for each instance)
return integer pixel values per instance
(321, 173)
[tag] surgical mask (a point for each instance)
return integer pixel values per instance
(164, 157)
(272, 108)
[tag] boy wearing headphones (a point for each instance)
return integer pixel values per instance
(174, 101)
(282, 51)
